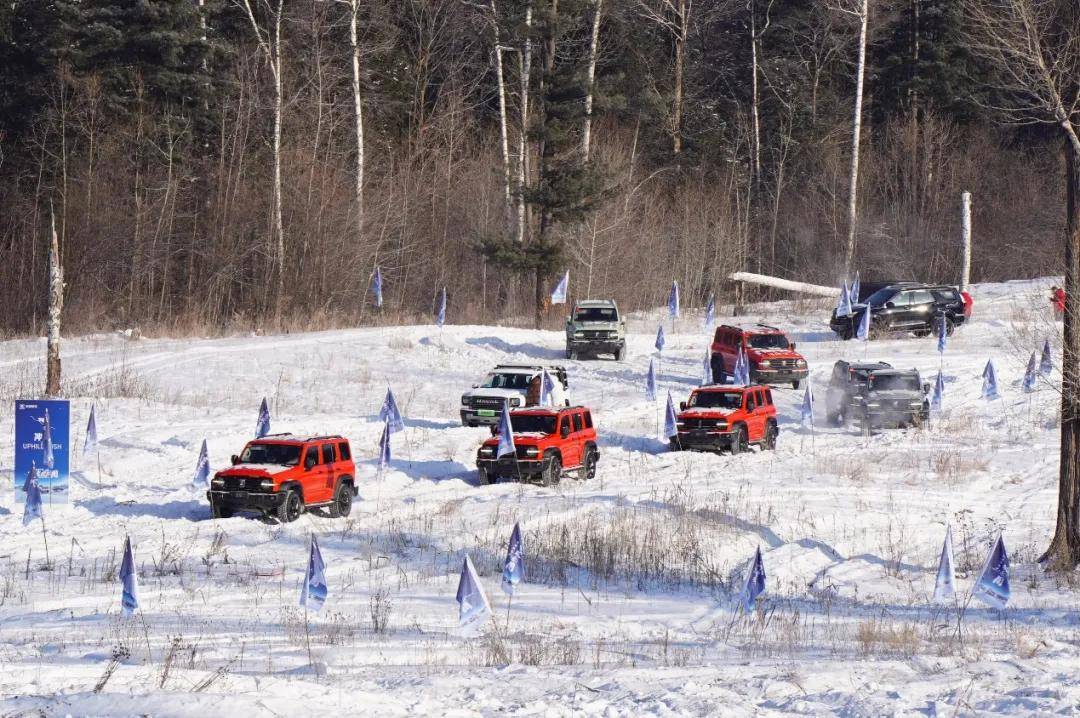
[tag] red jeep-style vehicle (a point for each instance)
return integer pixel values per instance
(772, 356)
(282, 475)
(549, 441)
(726, 417)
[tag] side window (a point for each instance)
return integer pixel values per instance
(768, 397)
(343, 451)
(921, 297)
(588, 420)
(328, 453)
(564, 420)
(312, 456)
(751, 404)
(901, 299)
(579, 423)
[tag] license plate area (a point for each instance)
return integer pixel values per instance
(485, 412)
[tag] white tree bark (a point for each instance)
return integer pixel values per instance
(856, 130)
(504, 142)
(56, 307)
(354, 7)
(523, 154)
(965, 232)
(594, 46)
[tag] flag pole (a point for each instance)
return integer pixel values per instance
(509, 600)
(307, 585)
(48, 562)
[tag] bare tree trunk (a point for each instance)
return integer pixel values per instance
(856, 130)
(359, 108)
(594, 45)
(56, 306)
(965, 231)
(547, 152)
(754, 92)
(504, 142)
(523, 154)
(680, 63)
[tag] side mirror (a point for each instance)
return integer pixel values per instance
(569, 319)
(309, 461)
(235, 459)
(682, 406)
(791, 347)
(890, 305)
(926, 387)
(493, 429)
(564, 430)
(475, 386)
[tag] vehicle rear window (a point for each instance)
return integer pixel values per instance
(328, 453)
(893, 382)
(507, 381)
(532, 423)
(274, 454)
(921, 297)
(768, 397)
(578, 422)
(343, 451)
(946, 295)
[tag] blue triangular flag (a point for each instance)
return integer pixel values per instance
(710, 313)
(440, 318)
(943, 332)
(262, 426)
(202, 467)
(650, 381)
(673, 300)
(659, 339)
(1031, 374)
(755, 582)
(514, 565)
(854, 292)
(864, 325)
(1046, 362)
(806, 412)
(843, 306)
(937, 399)
(558, 296)
(33, 509)
(384, 446)
(376, 286)
(313, 594)
(49, 461)
(741, 377)
(473, 606)
(990, 387)
(671, 419)
(506, 433)
(389, 412)
(129, 581)
(945, 584)
(90, 445)
(547, 389)
(992, 586)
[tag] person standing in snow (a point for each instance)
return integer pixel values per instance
(1057, 298)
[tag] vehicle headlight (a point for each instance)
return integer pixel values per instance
(515, 401)
(765, 363)
(487, 451)
(680, 425)
(217, 481)
(464, 401)
(801, 363)
(722, 425)
(531, 451)
(266, 484)
(579, 335)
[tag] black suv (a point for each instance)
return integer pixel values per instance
(875, 395)
(905, 307)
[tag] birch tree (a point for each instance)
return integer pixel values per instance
(674, 17)
(590, 82)
(56, 307)
(1033, 46)
(863, 13)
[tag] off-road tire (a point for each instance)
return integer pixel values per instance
(768, 442)
(738, 440)
(572, 355)
(588, 465)
(343, 501)
(620, 353)
(291, 508)
(846, 334)
(796, 384)
(483, 477)
(674, 445)
(950, 326)
(552, 471)
(569, 354)
(922, 333)
(221, 512)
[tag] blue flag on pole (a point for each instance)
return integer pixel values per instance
(440, 318)
(942, 334)
(389, 412)
(1031, 374)
(376, 286)
(863, 333)
(90, 445)
(854, 292)
(473, 606)
(992, 586)
(558, 296)
(673, 300)
(506, 433)
(945, 584)
(49, 462)
(755, 582)
(671, 419)
(262, 426)
(313, 595)
(384, 445)
(710, 313)
(806, 412)
(33, 509)
(660, 339)
(1046, 362)
(547, 389)
(843, 307)
(202, 467)
(129, 581)
(990, 387)
(514, 565)
(650, 381)
(741, 376)
(936, 399)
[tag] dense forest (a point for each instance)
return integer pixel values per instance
(234, 163)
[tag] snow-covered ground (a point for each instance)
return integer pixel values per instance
(633, 576)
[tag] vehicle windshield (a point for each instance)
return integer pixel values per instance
(275, 454)
(768, 341)
(716, 399)
(878, 298)
(533, 423)
(894, 382)
(596, 314)
(507, 381)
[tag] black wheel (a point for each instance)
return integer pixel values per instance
(552, 471)
(845, 333)
(769, 442)
(569, 354)
(717, 363)
(922, 333)
(674, 445)
(483, 477)
(796, 384)
(588, 465)
(738, 440)
(291, 507)
(342, 505)
(620, 354)
(222, 512)
(950, 326)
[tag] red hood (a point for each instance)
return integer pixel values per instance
(262, 471)
(704, 413)
(523, 439)
(760, 354)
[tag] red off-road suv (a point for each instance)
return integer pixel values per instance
(727, 417)
(549, 440)
(282, 475)
(772, 356)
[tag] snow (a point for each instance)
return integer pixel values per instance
(631, 579)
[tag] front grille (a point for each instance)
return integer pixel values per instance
(692, 424)
(782, 363)
(597, 334)
(242, 483)
(487, 402)
(521, 453)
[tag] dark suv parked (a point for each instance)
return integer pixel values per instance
(875, 395)
(905, 307)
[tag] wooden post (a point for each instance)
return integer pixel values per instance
(965, 233)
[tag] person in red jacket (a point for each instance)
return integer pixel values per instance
(1057, 298)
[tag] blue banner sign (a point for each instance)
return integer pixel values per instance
(42, 439)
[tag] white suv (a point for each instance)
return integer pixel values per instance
(482, 405)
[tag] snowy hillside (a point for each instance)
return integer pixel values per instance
(632, 577)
